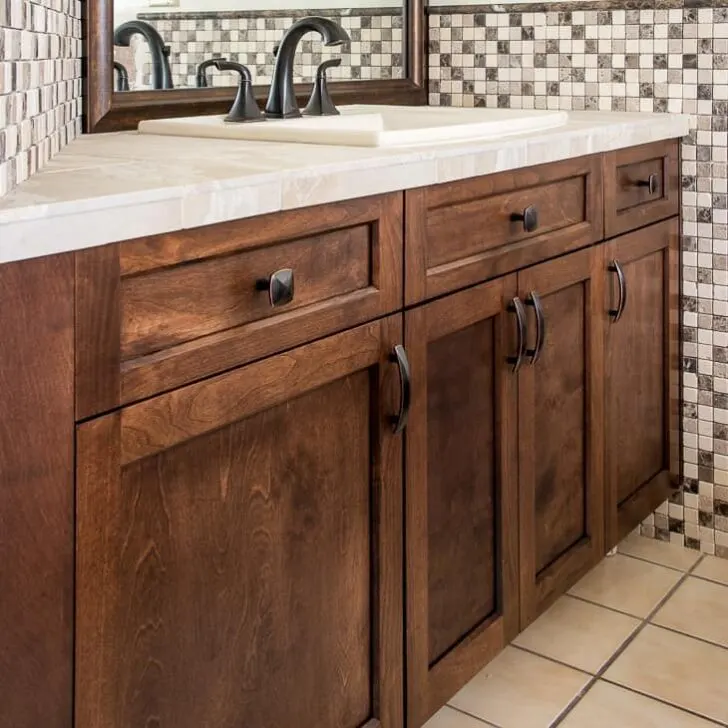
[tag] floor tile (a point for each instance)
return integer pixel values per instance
(627, 584)
(659, 552)
(609, 706)
(580, 634)
(713, 568)
(520, 690)
(698, 608)
(450, 718)
(675, 668)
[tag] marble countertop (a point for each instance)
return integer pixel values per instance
(105, 188)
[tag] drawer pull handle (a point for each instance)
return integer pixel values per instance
(515, 306)
(529, 218)
(616, 313)
(650, 183)
(399, 357)
(280, 287)
(534, 300)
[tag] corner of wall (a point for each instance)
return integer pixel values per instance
(40, 84)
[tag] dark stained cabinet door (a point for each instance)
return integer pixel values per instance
(560, 427)
(461, 492)
(240, 547)
(642, 374)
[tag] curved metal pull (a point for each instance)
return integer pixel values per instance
(616, 313)
(280, 287)
(515, 306)
(650, 183)
(399, 357)
(534, 300)
(529, 217)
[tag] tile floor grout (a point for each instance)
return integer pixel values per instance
(640, 624)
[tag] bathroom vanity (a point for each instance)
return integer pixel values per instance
(315, 466)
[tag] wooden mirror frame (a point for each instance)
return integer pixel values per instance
(109, 110)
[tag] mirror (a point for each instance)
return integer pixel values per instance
(170, 44)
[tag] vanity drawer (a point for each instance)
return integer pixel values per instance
(641, 186)
(194, 303)
(466, 232)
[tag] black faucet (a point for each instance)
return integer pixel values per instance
(245, 107)
(202, 71)
(161, 72)
(122, 76)
(282, 98)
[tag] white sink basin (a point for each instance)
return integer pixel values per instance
(369, 126)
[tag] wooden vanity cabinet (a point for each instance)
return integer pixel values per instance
(461, 492)
(239, 553)
(642, 374)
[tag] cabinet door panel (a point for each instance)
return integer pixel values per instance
(461, 492)
(249, 574)
(642, 401)
(560, 426)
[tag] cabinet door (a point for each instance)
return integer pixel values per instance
(240, 548)
(642, 374)
(561, 428)
(461, 492)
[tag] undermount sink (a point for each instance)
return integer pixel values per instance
(369, 126)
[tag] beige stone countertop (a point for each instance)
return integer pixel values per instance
(104, 188)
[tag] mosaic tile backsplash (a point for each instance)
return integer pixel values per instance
(40, 83)
(587, 55)
(375, 50)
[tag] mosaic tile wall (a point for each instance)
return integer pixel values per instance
(375, 51)
(40, 83)
(587, 55)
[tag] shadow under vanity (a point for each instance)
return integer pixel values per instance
(316, 468)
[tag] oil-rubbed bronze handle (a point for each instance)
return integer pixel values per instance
(650, 183)
(280, 287)
(534, 300)
(399, 357)
(616, 313)
(516, 307)
(529, 218)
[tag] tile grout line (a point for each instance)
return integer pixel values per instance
(486, 723)
(657, 563)
(691, 636)
(621, 649)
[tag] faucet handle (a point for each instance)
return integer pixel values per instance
(245, 107)
(320, 103)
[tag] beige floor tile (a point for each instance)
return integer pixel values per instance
(659, 552)
(627, 584)
(520, 690)
(711, 567)
(450, 718)
(609, 706)
(675, 668)
(698, 608)
(580, 634)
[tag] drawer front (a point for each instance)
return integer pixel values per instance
(465, 232)
(195, 303)
(641, 186)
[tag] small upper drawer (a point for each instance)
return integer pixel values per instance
(641, 186)
(465, 232)
(194, 303)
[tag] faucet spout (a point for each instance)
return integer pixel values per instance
(282, 96)
(161, 72)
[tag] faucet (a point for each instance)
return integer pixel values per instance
(122, 76)
(282, 97)
(161, 72)
(202, 71)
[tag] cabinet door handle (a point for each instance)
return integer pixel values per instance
(616, 313)
(650, 183)
(534, 300)
(529, 218)
(515, 306)
(399, 357)
(280, 286)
